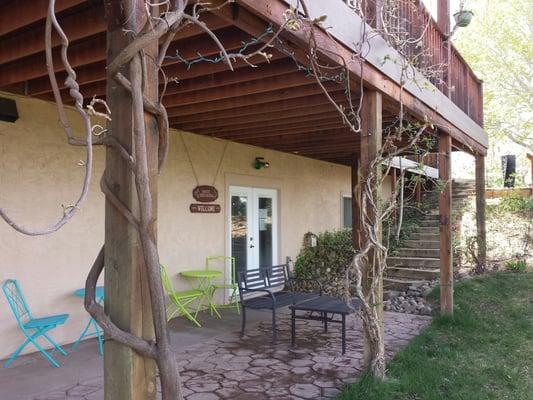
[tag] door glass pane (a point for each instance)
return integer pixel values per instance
(265, 231)
(239, 228)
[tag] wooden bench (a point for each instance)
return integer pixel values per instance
(270, 288)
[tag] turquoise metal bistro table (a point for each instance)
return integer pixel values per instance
(204, 279)
(98, 332)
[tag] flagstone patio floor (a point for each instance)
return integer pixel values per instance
(224, 366)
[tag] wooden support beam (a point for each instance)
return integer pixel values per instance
(254, 16)
(356, 212)
(281, 123)
(445, 225)
(76, 26)
(289, 105)
(249, 100)
(287, 81)
(443, 16)
(92, 49)
(291, 129)
(95, 71)
(480, 212)
(15, 15)
(371, 142)
(127, 375)
(255, 118)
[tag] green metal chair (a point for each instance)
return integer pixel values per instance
(229, 279)
(179, 302)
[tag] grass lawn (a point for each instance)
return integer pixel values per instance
(484, 352)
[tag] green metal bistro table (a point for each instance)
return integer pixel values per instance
(204, 279)
(92, 322)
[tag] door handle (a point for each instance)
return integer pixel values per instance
(252, 246)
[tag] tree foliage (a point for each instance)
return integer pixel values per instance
(499, 47)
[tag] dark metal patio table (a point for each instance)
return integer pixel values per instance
(327, 307)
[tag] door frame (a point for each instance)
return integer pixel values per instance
(253, 193)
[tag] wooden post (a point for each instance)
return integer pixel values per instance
(443, 16)
(480, 211)
(371, 141)
(393, 188)
(418, 193)
(445, 226)
(356, 215)
(530, 158)
(127, 375)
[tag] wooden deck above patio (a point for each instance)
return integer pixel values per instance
(276, 105)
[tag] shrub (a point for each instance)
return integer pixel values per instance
(516, 266)
(328, 260)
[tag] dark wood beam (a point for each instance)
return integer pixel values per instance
(301, 127)
(76, 26)
(254, 99)
(16, 15)
(225, 117)
(253, 17)
(92, 49)
(255, 118)
(276, 124)
(287, 81)
(242, 72)
(445, 226)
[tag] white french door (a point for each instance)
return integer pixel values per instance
(253, 226)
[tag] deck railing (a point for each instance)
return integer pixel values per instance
(450, 73)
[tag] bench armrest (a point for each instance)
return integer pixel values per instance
(313, 280)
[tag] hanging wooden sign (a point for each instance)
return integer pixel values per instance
(205, 193)
(205, 208)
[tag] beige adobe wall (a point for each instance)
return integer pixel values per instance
(39, 172)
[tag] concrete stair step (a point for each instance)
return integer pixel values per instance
(412, 273)
(422, 253)
(413, 262)
(428, 224)
(399, 284)
(425, 236)
(427, 229)
(422, 244)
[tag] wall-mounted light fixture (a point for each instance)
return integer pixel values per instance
(260, 163)
(8, 110)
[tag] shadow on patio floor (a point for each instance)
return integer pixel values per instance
(216, 364)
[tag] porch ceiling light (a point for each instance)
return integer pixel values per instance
(260, 163)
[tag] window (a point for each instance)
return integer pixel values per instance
(346, 212)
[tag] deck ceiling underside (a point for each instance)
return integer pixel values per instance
(274, 106)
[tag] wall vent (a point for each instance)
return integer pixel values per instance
(8, 110)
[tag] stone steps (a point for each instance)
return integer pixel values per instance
(422, 244)
(400, 284)
(419, 260)
(424, 253)
(414, 262)
(420, 274)
(425, 236)
(427, 229)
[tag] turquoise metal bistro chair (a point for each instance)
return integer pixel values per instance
(32, 328)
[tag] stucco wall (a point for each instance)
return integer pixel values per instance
(39, 172)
